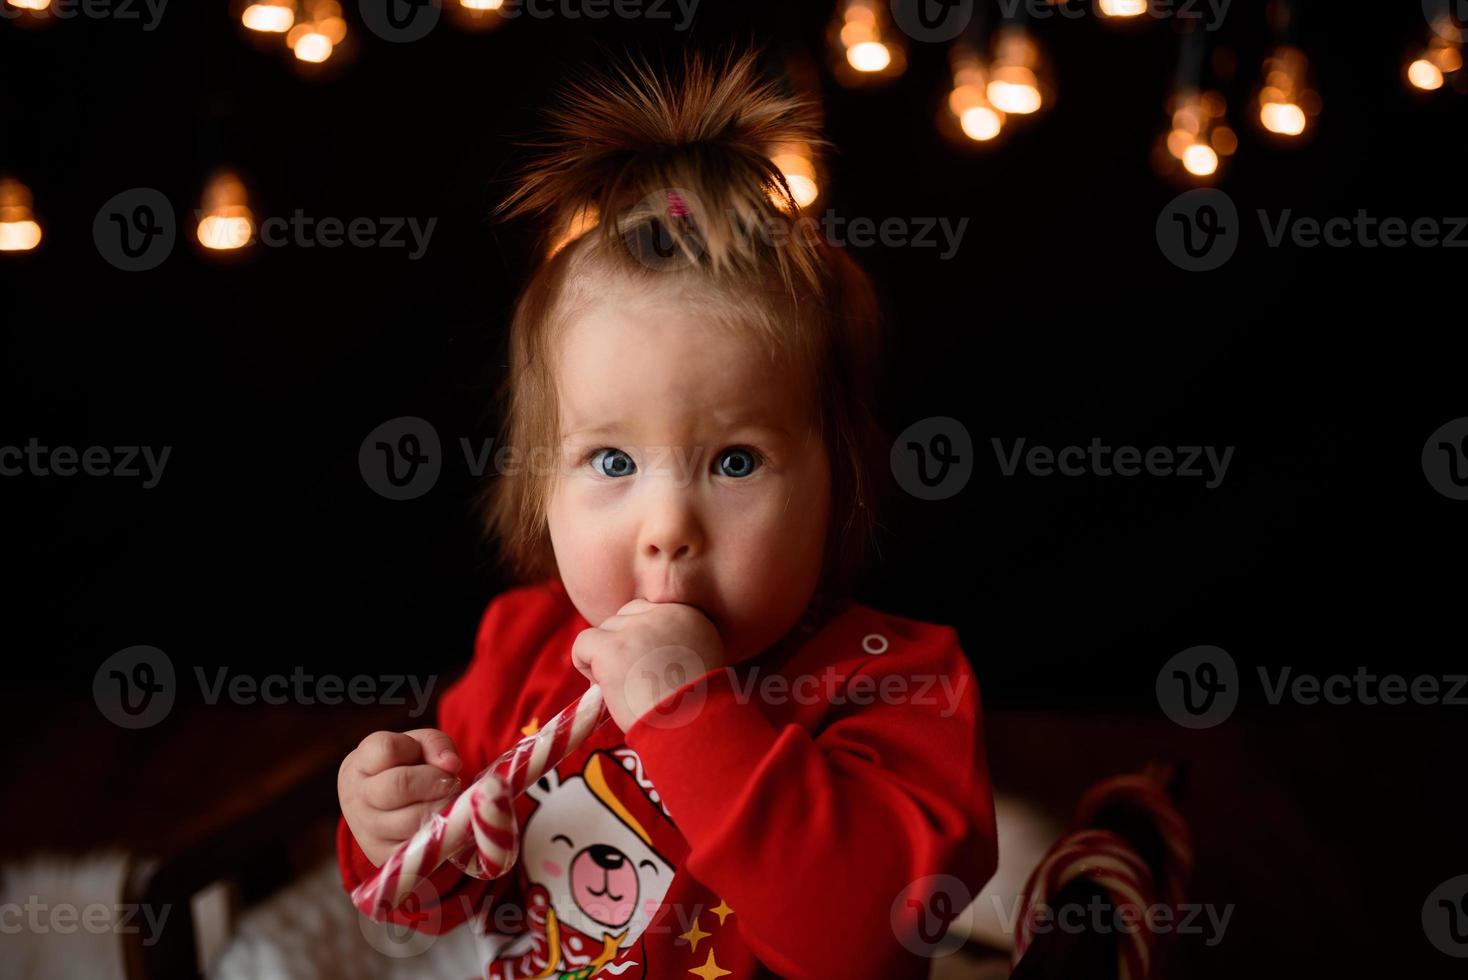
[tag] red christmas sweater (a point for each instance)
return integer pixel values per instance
(820, 810)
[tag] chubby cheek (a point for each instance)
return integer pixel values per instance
(772, 565)
(591, 553)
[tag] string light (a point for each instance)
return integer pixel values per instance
(33, 5)
(269, 16)
(865, 48)
(227, 222)
(314, 39)
(19, 230)
(1122, 9)
(1200, 135)
(1286, 104)
(967, 113)
(1014, 78)
(1443, 56)
(476, 14)
(794, 161)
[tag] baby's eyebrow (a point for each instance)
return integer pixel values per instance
(743, 421)
(592, 430)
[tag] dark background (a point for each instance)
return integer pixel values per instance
(1059, 320)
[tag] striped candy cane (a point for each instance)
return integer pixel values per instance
(1110, 862)
(478, 832)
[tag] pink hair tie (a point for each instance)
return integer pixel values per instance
(677, 207)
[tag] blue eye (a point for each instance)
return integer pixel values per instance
(612, 462)
(737, 462)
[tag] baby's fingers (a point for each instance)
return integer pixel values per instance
(382, 751)
(403, 785)
(402, 823)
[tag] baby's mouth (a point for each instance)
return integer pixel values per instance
(702, 611)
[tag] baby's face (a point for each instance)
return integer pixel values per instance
(690, 471)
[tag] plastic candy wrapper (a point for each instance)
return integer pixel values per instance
(478, 832)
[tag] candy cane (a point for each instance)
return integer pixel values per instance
(1114, 864)
(1110, 862)
(1146, 792)
(478, 831)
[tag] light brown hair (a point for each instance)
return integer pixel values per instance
(655, 182)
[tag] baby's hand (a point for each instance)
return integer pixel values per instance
(644, 653)
(392, 782)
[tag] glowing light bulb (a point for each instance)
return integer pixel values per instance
(1284, 118)
(1285, 102)
(314, 39)
(865, 49)
(1014, 85)
(313, 47)
(269, 16)
(800, 174)
(19, 230)
(227, 223)
(1200, 160)
(869, 56)
(968, 100)
(1123, 8)
(29, 4)
(1199, 136)
(1425, 75)
(481, 4)
(1019, 97)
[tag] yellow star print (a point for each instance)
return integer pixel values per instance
(531, 728)
(722, 910)
(694, 935)
(710, 970)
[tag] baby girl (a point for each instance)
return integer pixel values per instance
(794, 784)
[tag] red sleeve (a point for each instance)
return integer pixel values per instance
(811, 839)
(477, 712)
